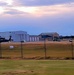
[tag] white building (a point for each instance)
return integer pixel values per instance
(16, 36)
(33, 38)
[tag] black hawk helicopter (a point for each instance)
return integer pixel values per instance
(4, 39)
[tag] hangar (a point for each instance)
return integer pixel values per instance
(16, 36)
(53, 36)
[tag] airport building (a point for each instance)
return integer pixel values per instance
(53, 36)
(17, 36)
(33, 38)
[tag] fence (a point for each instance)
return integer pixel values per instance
(37, 50)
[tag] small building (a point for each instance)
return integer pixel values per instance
(33, 38)
(54, 36)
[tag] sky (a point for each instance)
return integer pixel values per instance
(37, 16)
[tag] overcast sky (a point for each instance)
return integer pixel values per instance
(37, 16)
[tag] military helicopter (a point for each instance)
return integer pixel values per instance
(4, 40)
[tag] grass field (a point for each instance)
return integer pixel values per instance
(36, 67)
(36, 49)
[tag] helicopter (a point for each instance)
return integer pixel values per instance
(4, 39)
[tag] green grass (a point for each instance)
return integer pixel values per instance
(36, 67)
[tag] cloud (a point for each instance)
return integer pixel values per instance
(41, 2)
(13, 12)
(3, 4)
(53, 10)
(37, 8)
(6, 2)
